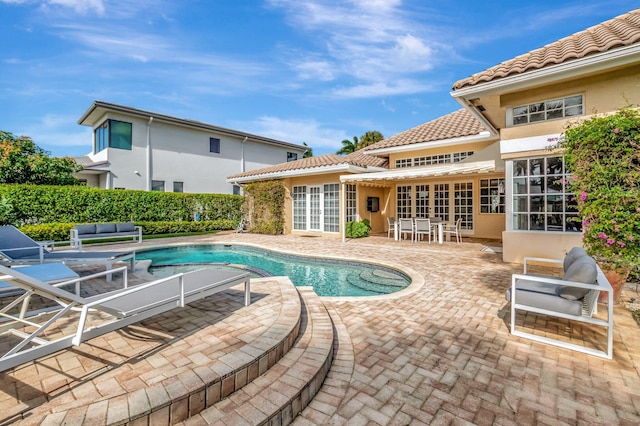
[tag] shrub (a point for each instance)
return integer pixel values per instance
(264, 206)
(35, 204)
(357, 229)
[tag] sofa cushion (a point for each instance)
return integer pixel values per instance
(549, 302)
(573, 255)
(102, 228)
(85, 229)
(583, 270)
(125, 227)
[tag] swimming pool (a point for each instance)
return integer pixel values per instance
(329, 277)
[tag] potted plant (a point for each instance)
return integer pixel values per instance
(602, 155)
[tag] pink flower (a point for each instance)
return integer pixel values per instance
(610, 241)
(616, 130)
(602, 235)
(621, 244)
(583, 196)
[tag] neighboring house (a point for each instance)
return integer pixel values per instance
(136, 149)
(489, 164)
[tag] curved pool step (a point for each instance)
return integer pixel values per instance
(278, 396)
(167, 368)
(370, 280)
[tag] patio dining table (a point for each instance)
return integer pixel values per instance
(434, 221)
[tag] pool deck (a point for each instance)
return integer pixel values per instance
(439, 352)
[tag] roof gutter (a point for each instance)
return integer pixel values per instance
(342, 168)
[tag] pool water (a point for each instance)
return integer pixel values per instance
(329, 277)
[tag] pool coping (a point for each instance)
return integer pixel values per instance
(417, 280)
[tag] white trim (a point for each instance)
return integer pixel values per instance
(482, 136)
(532, 143)
(598, 62)
(418, 172)
(309, 171)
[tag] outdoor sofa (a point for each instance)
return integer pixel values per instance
(573, 296)
(101, 231)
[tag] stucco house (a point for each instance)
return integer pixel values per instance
(491, 163)
(144, 150)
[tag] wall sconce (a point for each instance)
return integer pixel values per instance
(137, 172)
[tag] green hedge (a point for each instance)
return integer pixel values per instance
(61, 231)
(36, 204)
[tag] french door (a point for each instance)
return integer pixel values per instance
(316, 208)
(447, 201)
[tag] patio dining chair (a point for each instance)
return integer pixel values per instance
(422, 227)
(405, 227)
(454, 230)
(391, 226)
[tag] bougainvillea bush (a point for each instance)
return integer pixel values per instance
(602, 154)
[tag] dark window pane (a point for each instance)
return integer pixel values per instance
(120, 134)
(214, 145)
(520, 168)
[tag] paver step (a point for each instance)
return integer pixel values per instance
(201, 362)
(278, 396)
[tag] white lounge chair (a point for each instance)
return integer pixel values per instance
(123, 307)
(573, 296)
(18, 248)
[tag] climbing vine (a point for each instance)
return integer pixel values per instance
(264, 207)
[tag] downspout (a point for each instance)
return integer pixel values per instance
(242, 155)
(148, 185)
(343, 215)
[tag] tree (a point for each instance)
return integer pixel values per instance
(369, 138)
(348, 146)
(308, 153)
(22, 161)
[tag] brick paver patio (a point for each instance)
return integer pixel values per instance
(441, 352)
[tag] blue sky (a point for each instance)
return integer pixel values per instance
(314, 71)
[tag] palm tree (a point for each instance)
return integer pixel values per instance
(308, 153)
(348, 146)
(370, 138)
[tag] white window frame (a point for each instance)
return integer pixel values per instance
(541, 110)
(511, 207)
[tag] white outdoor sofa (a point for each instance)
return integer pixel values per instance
(573, 296)
(101, 231)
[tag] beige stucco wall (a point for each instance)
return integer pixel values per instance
(602, 94)
(517, 244)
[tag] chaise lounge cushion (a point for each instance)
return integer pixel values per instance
(583, 270)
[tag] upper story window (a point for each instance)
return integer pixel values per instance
(113, 134)
(546, 110)
(429, 160)
(214, 145)
(292, 156)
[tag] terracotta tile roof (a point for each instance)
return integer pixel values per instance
(454, 125)
(621, 31)
(358, 159)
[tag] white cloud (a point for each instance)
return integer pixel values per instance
(298, 131)
(80, 6)
(371, 41)
(380, 89)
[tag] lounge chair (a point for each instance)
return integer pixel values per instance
(122, 307)
(574, 296)
(18, 249)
